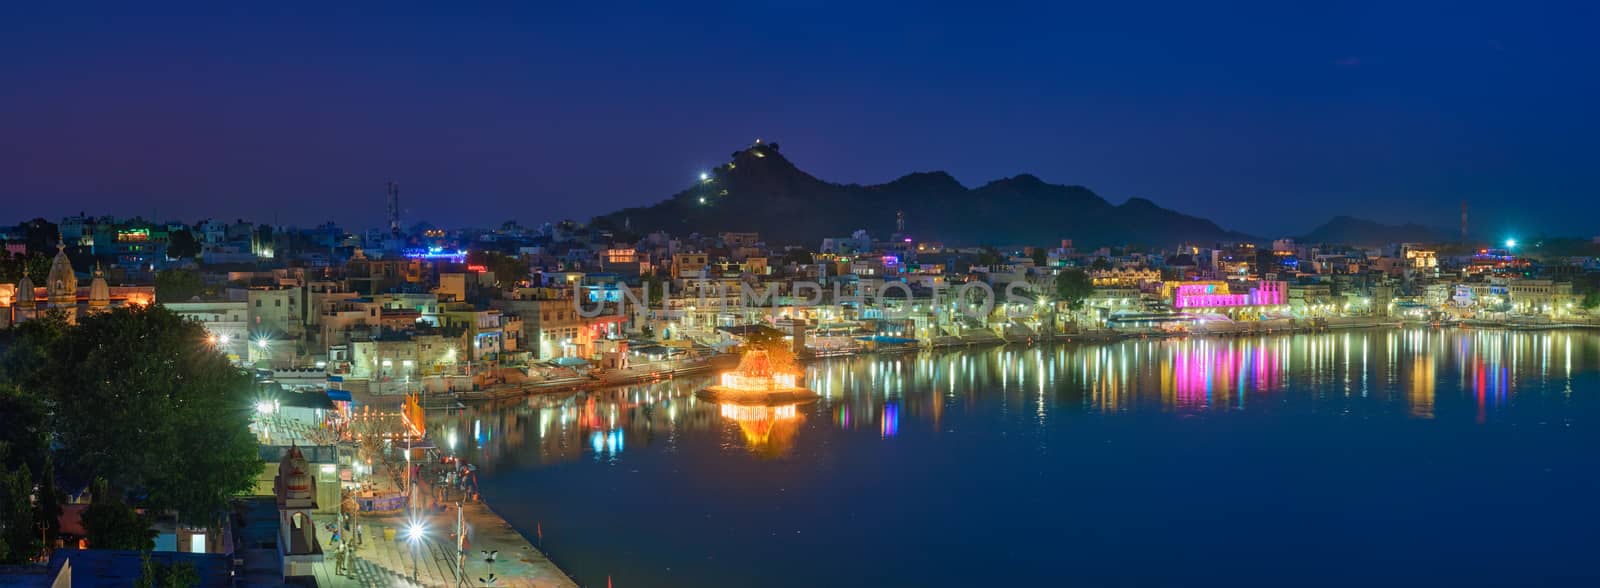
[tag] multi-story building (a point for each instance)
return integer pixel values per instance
(227, 323)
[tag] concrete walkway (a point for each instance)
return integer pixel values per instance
(388, 562)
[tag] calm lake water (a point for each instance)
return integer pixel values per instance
(1441, 457)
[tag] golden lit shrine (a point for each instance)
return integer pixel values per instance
(757, 380)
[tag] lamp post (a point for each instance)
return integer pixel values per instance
(413, 535)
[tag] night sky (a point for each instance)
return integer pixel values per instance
(1268, 117)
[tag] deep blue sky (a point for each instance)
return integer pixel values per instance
(1267, 117)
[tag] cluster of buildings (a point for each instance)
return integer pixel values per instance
(390, 308)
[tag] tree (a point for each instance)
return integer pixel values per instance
(1100, 264)
(656, 285)
(178, 285)
(181, 244)
(22, 429)
(47, 504)
(1041, 256)
(779, 355)
(1073, 286)
(508, 269)
(16, 517)
(34, 265)
(140, 399)
(174, 575)
(42, 236)
(989, 256)
(111, 524)
(796, 256)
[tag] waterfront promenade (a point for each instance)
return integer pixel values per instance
(384, 557)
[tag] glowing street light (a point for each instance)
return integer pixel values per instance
(414, 532)
(704, 176)
(1511, 243)
(263, 343)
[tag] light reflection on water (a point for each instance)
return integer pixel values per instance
(1333, 372)
(1356, 412)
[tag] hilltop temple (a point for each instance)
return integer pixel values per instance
(25, 301)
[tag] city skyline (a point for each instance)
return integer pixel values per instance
(1268, 120)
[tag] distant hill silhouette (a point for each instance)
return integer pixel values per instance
(761, 190)
(1366, 233)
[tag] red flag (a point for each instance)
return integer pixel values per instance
(540, 527)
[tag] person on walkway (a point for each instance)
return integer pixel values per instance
(360, 539)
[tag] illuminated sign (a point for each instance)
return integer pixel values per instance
(133, 235)
(457, 256)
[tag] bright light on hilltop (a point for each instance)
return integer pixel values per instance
(704, 176)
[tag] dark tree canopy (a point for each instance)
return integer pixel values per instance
(178, 285)
(181, 244)
(139, 399)
(1073, 286)
(34, 265)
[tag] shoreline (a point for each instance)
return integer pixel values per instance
(504, 392)
(529, 543)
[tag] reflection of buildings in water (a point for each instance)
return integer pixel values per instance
(1480, 371)
(768, 430)
(1419, 387)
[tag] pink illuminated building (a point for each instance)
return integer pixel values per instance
(1207, 296)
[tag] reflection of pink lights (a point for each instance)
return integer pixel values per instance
(891, 420)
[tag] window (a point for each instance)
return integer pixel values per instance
(258, 303)
(278, 303)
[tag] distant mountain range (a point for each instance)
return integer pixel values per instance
(760, 190)
(1355, 231)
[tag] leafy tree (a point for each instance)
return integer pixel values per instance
(34, 265)
(16, 526)
(779, 354)
(140, 399)
(796, 256)
(174, 575)
(178, 285)
(112, 524)
(508, 269)
(1591, 299)
(181, 244)
(22, 429)
(1073, 286)
(47, 504)
(657, 286)
(1100, 264)
(989, 256)
(41, 235)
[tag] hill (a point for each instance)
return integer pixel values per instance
(761, 190)
(1366, 233)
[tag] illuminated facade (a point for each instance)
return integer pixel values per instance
(1124, 277)
(1266, 293)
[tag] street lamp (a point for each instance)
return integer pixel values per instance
(414, 532)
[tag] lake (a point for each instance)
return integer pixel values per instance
(1443, 457)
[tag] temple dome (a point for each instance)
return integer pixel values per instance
(294, 475)
(62, 281)
(25, 291)
(99, 291)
